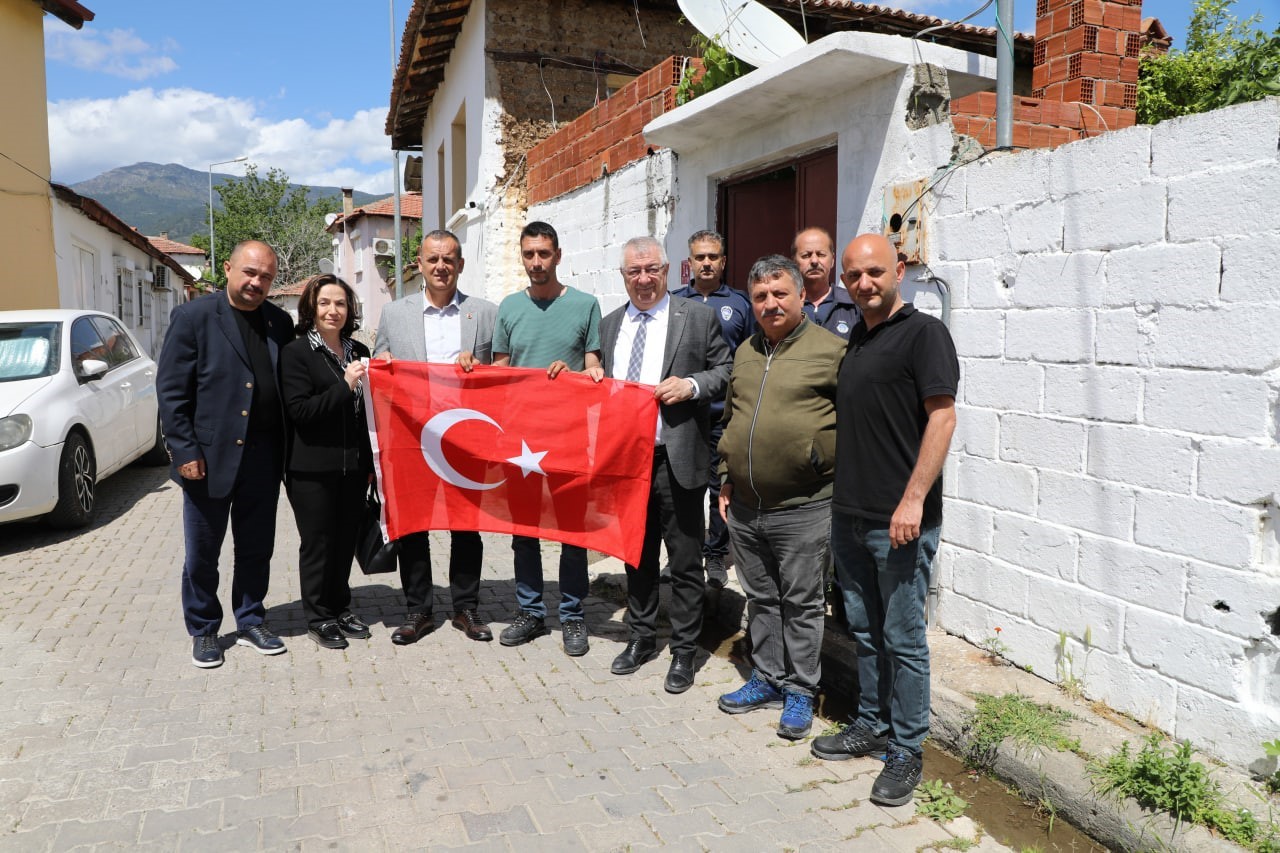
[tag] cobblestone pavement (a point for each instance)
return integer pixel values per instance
(111, 739)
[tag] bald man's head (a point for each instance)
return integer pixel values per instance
(871, 272)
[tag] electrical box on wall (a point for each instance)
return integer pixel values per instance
(905, 222)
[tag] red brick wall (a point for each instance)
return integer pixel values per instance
(1084, 77)
(604, 138)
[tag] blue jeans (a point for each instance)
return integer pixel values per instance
(884, 592)
(573, 578)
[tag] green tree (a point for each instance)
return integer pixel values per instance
(265, 208)
(1226, 61)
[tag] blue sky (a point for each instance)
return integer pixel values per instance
(300, 86)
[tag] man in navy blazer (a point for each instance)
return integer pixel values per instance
(224, 426)
(675, 345)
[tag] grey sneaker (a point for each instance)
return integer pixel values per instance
(853, 741)
(896, 784)
(717, 574)
(575, 638)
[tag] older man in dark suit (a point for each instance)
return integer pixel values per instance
(224, 426)
(675, 345)
(438, 324)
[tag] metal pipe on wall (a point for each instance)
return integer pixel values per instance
(1004, 73)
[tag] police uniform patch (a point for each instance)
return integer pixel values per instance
(726, 312)
(842, 327)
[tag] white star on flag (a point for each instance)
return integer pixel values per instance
(528, 461)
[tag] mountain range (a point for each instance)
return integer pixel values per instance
(155, 198)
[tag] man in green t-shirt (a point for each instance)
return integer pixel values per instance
(551, 325)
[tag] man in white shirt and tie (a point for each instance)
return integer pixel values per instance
(436, 325)
(674, 344)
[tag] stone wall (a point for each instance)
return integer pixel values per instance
(1116, 468)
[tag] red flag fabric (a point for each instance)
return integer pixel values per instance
(507, 450)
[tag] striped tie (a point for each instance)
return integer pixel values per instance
(637, 348)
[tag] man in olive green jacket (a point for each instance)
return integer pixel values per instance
(777, 466)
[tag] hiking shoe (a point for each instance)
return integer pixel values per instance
(205, 651)
(526, 627)
(853, 741)
(797, 716)
(575, 638)
(753, 695)
(717, 574)
(896, 784)
(261, 639)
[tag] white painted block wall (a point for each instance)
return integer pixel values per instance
(595, 221)
(1116, 466)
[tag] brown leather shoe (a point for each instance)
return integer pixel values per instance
(416, 626)
(470, 623)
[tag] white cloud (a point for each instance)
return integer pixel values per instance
(119, 53)
(194, 128)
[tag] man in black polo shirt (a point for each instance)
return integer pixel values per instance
(895, 414)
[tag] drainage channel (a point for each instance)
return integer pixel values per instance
(1003, 815)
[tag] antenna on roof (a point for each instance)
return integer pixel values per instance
(749, 31)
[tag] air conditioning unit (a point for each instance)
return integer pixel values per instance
(384, 246)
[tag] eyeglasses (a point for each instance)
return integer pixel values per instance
(636, 272)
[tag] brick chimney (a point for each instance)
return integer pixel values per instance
(1087, 51)
(348, 204)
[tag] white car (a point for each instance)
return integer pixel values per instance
(77, 403)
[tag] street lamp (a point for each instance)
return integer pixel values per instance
(213, 261)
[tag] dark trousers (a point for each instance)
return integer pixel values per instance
(327, 509)
(466, 553)
(675, 517)
(717, 541)
(781, 555)
(251, 511)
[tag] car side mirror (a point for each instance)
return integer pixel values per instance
(93, 368)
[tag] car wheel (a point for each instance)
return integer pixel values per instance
(77, 475)
(158, 454)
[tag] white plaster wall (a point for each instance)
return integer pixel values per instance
(72, 229)
(1115, 467)
(595, 221)
(486, 226)
(874, 148)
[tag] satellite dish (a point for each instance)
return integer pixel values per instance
(326, 266)
(749, 31)
(329, 219)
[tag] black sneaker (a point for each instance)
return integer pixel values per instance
(354, 627)
(575, 638)
(853, 741)
(896, 784)
(261, 640)
(205, 651)
(526, 627)
(717, 574)
(328, 635)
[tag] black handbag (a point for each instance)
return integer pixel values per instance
(373, 554)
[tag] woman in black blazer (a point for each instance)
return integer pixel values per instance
(330, 462)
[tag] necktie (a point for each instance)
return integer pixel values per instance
(637, 348)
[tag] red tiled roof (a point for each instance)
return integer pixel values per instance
(104, 217)
(410, 208)
(294, 289)
(875, 16)
(173, 247)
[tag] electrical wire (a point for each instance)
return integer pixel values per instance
(804, 22)
(638, 25)
(948, 24)
(23, 167)
(548, 91)
(1095, 112)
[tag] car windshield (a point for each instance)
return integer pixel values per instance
(28, 350)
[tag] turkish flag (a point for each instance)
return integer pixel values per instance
(507, 450)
